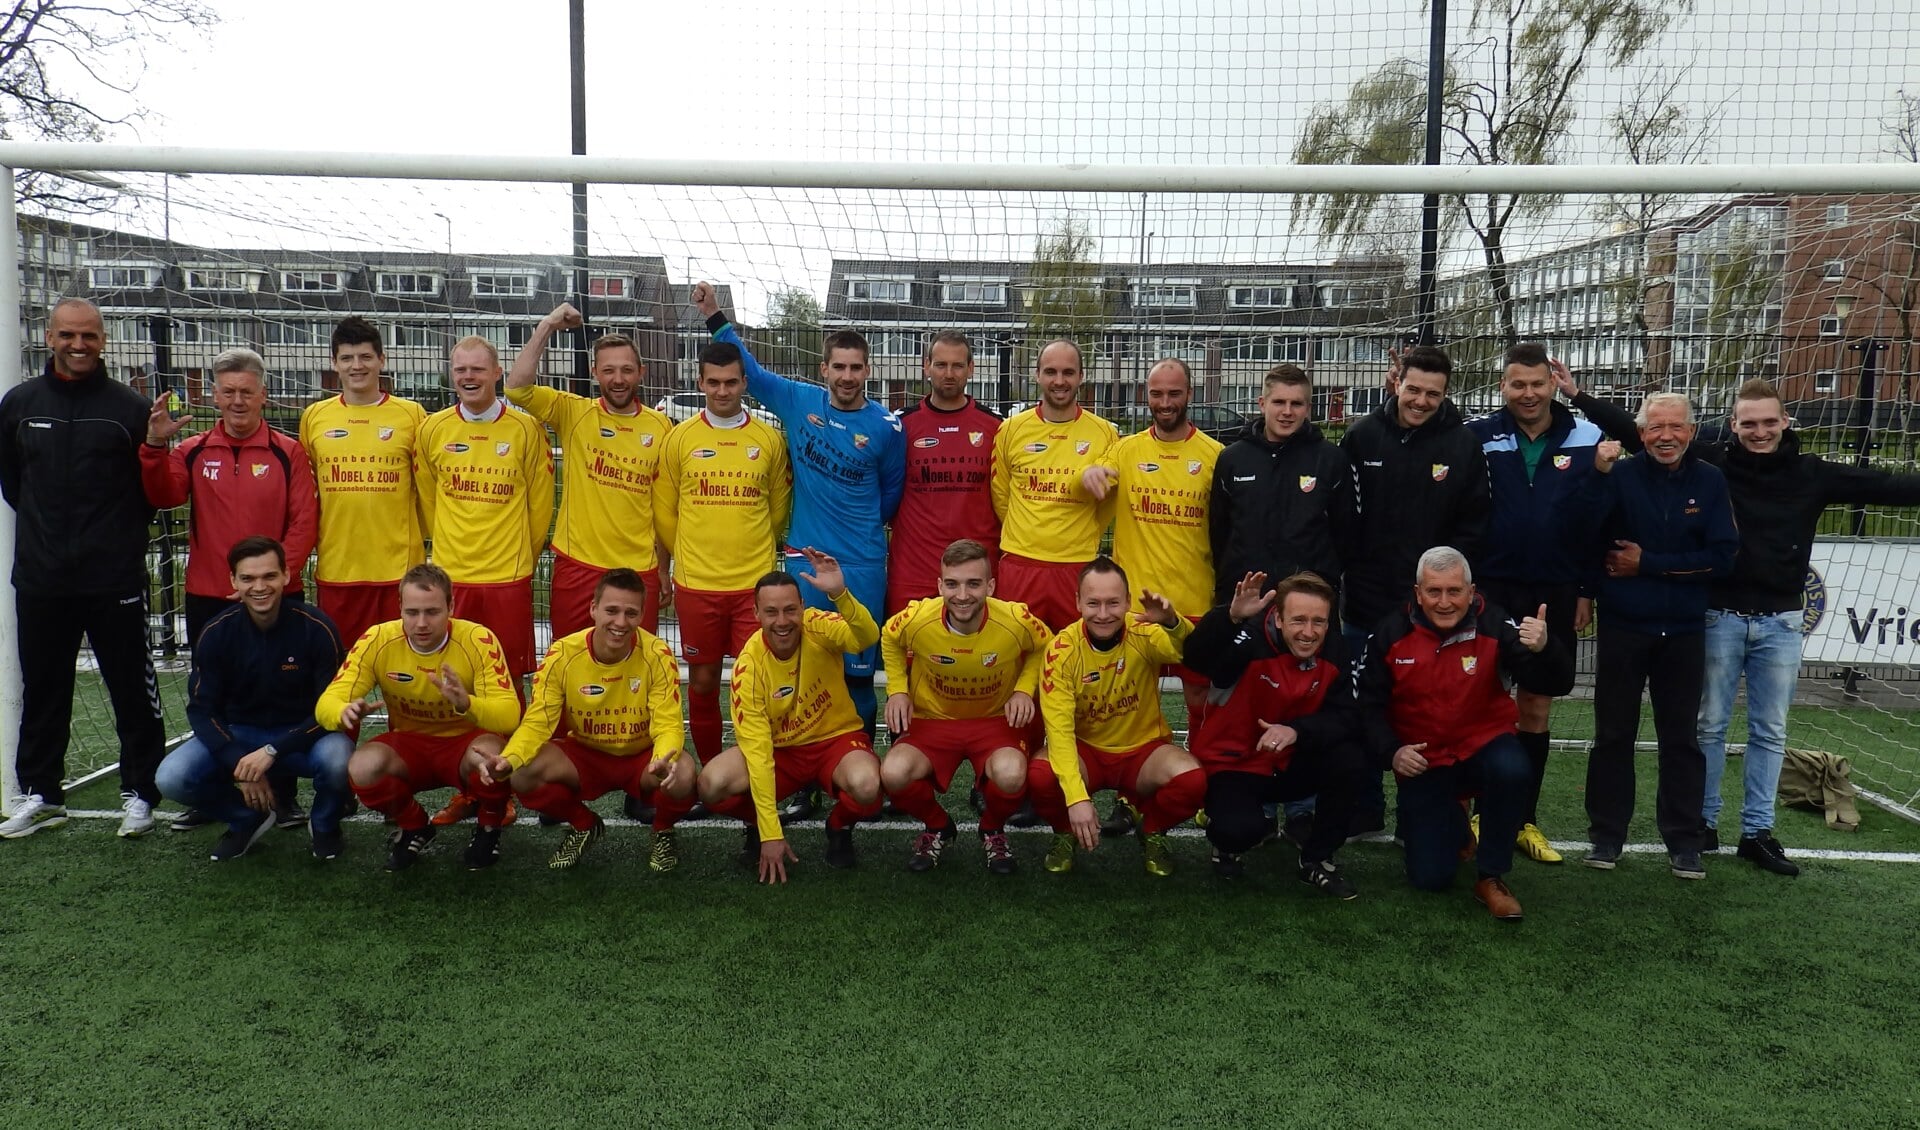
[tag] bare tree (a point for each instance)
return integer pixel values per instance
(99, 49)
(1902, 126)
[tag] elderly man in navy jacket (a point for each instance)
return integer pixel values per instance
(1666, 529)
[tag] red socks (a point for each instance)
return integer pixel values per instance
(667, 811)
(489, 801)
(559, 802)
(738, 807)
(1000, 808)
(1173, 802)
(703, 718)
(919, 801)
(392, 796)
(846, 811)
(1043, 789)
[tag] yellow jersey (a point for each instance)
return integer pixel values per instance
(362, 456)
(1159, 509)
(1045, 513)
(723, 500)
(486, 489)
(1108, 699)
(948, 675)
(383, 658)
(798, 700)
(607, 476)
(625, 709)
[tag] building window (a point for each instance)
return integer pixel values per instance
(1834, 270)
(227, 279)
(312, 282)
(894, 343)
(127, 330)
(1334, 294)
(1824, 382)
(1829, 326)
(294, 333)
(1261, 296)
(1836, 215)
(406, 282)
(879, 290)
(291, 387)
(121, 278)
(607, 286)
(518, 333)
(417, 385)
(1263, 347)
(504, 285)
(412, 335)
(1163, 295)
(974, 294)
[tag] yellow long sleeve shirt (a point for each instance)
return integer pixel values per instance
(605, 517)
(1045, 512)
(363, 459)
(723, 500)
(383, 658)
(486, 489)
(798, 700)
(948, 675)
(625, 709)
(1159, 509)
(1108, 699)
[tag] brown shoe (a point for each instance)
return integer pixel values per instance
(1495, 896)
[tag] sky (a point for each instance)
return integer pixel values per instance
(1127, 81)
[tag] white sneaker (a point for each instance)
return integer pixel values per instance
(30, 814)
(139, 818)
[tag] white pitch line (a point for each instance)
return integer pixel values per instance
(1577, 847)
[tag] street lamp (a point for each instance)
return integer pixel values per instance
(449, 282)
(1864, 398)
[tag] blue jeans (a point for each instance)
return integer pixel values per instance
(1433, 825)
(1766, 648)
(191, 776)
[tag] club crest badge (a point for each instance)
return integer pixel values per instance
(1307, 483)
(1440, 472)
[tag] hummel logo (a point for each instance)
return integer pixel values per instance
(1244, 478)
(1370, 463)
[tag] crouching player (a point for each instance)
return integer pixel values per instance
(1286, 730)
(962, 670)
(613, 694)
(1100, 700)
(449, 699)
(794, 721)
(1434, 705)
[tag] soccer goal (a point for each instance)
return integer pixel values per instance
(1686, 278)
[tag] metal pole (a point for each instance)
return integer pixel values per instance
(11, 693)
(577, 41)
(161, 333)
(1865, 397)
(1430, 203)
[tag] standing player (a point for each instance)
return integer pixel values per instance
(1156, 483)
(724, 494)
(1100, 698)
(794, 721)
(1538, 455)
(485, 475)
(1050, 525)
(361, 444)
(849, 468)
(612, 452)
(449, 701)
(962, 672)
(617, 691)
(949, 455)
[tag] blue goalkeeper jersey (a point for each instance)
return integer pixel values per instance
(849, 468)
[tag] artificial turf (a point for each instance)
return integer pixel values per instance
(147, 986)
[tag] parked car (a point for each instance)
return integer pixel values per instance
(680, 406)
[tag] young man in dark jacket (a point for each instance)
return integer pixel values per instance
(1434, 707)
(1282, 499)
(1754, 619)
(1663, 532)
(70, 465)
(1286, 728)
(1538, 455)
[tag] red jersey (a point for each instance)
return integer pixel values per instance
(948, 496)
(262, 484)
(1281, 690)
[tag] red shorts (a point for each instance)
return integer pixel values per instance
(506, 610)
(714, 625)
(433, 762)
(1049, 589)
(798, 766)
(356, 607)
(1117, 771)
(948, 742)
(602, 773)
(570, 607)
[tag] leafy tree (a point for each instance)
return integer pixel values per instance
(98, 49)
(1509, 97)
(792, 338)
(1066, 292)
(791, 308)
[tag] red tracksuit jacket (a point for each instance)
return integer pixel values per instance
(262, 484)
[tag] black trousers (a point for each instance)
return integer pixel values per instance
(1236, 802)
(1670, 669)
(115, 626)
